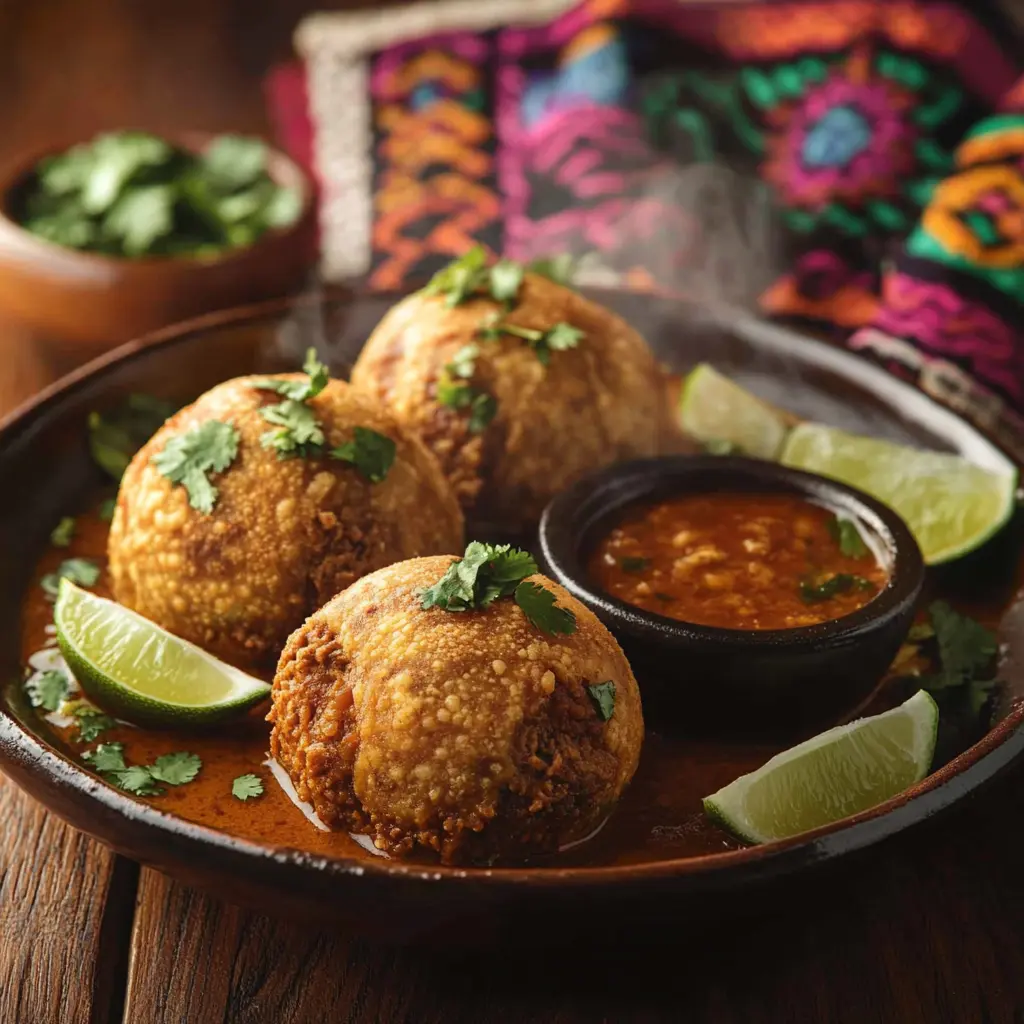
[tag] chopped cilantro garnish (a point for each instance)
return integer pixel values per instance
(298, 430)
(559, 269)
(48, 690)
(539, 606)
(299, 390)
(454, 391)
(557, 338)
(61, 534)
(106, 509)
(634, 563)
(107, 757)
(176, 769)
(602, 696)
(371, 453)
(487, 572)
(462, 278)
(845, 533)
(91, 723)
(137, 779)
(719, 446)
(246, 787)
(483, 574)
(966, 648)
(114, 437)
(814, 591)
(83, 571)
(189, 458)
(505, 279)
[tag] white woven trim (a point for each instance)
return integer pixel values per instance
(359, 32)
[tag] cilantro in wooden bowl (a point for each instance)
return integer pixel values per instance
(108, 239)
(132, 194)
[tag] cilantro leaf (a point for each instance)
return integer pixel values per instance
(559, 269)
(139, 218)
(48, 689)
(483, 574)
(966, 648)
(815, 591)
(234, 161)
(188, 458)
(114, 437)
(463, 363)
(461, 279)
(454, 392)
(106, 509)
(299, 390)
(83, 571)
(176, 769)
(107, 757)
(246, 787)
(602, 696)
(371, 453)
(557, 338)
(505, 279)
(92, 722)
(634, 563)
(539, 607)
(137, 779)
(482, 410)
(62, 533)
(299, 433)
(845, 533)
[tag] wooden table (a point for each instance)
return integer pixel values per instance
(928, 928)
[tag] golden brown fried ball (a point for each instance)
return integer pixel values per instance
(283, 536)
(466, 735)
(593, 405)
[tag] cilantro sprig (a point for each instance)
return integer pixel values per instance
(175, 769)
(92, 722)
(189, 459)
(455, 391)
(845, 533)
(487, 572)
(558, 338)
(966, 655)
(83, 571)
(371, 453)
(817, 590)
(470, 277)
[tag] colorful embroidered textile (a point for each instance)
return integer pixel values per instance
(839, 163)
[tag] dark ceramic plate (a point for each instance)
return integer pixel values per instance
(657, 859)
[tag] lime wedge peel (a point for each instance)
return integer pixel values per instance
(834, 775)
(140, 672)
(714, 408)
(952, 506)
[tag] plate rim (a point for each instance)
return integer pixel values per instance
(27, 752)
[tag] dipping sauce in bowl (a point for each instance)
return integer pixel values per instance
(738, 561)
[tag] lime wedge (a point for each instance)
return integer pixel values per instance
(142, 673)
(950, 505)
(714, 409)
(848, 769)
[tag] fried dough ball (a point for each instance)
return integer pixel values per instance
(598, 403)
(284, 535)
(468, 737)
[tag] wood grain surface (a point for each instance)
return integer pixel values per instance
(929, 928)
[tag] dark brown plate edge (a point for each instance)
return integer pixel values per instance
(39, 768)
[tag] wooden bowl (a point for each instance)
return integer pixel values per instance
(84, 303)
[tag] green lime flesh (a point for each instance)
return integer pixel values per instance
(714, 408)
(838, 773)
(140, 672)
(951, 505)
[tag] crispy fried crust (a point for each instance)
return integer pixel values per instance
(599, 403)
(465, 736)
(284, 535)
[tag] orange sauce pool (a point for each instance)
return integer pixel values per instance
(738, 561)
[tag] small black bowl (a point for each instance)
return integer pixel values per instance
(705, 678)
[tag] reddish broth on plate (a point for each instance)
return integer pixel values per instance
(738, 561)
